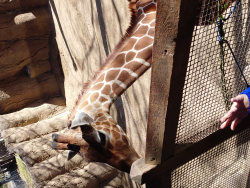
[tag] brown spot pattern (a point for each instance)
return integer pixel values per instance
(145, 54)
(97, 87)
(118, 61)
(143, 42)
(151, 32)
(115, 135)
(117, 89)
(93, 97)
(124, 139)
(129, 45)
(141, 31)
(101, 78)
(106, 90)
(152, 24)
(118, 144)
(106, 130)
(111, 75)
(149, 8)
(85, 103)
(102, 99)
(148, 19)
(130, 56)
(134, 65)
(126, 78)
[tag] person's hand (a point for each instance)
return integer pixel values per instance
(238, 111)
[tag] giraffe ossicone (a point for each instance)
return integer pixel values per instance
(93, 133)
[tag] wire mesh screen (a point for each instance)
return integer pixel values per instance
(3, 150)
(212, 79)
(226, 165)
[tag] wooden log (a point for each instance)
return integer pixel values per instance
(6, 5)
(19, 134)
(21, 53)
(25, 24)
(17, 92)
(33, 113)
(37, 68)
(173, 36)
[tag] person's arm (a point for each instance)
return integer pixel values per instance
(239, 109)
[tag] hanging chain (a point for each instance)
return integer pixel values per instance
(221, 38)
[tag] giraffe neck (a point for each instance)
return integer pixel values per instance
(125, 65)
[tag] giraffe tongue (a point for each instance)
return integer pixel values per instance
(71, 154)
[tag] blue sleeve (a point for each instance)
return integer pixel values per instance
(247, 92)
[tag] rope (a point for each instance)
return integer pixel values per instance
(221, 38)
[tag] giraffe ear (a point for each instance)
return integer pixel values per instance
(81, 118)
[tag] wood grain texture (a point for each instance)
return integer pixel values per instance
(174, 26)
(184, 154)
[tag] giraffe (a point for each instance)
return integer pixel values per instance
(93, 133)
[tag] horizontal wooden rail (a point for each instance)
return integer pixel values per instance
(142, 173)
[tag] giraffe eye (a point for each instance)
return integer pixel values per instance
(103, 138)
(73, 147)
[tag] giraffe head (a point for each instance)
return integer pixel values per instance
(97, 140)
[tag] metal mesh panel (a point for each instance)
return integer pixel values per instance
(226, 165)
(203, 103)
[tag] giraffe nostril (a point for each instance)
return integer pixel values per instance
(53, 145)
(54, 137)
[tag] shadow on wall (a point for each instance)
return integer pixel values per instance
(88, 41)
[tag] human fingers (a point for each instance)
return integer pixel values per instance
(229, 114)
(226, 123)
(234, 123)
(238, 99)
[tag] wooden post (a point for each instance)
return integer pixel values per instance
(175, 21)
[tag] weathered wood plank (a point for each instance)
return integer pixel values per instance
(143, 173)
(174, 26)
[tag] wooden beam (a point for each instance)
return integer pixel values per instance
(175, 21)
(142, 173)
